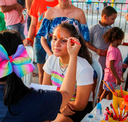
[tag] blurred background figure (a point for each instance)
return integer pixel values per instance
(2, 22)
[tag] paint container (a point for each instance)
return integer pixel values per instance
(99, 109)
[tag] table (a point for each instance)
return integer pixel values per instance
(105, 103)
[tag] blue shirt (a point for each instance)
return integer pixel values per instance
(47, 27)
(36, 106)
(96, 39)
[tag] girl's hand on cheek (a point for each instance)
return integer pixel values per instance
(74, 48)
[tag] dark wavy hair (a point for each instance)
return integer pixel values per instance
(112, 34)
(14, 88)
(83, 52)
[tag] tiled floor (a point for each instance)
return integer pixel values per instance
(123, 49)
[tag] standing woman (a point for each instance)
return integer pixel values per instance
(64, 12)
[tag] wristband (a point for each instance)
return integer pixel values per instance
(29, 40)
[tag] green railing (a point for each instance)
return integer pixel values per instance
(93, 13)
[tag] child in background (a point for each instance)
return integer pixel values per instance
(98, 45)
(19, 103)
(113, 70)
(56, 67)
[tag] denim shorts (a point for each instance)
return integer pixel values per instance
(18, 27)
(108, 83)
(40, 53)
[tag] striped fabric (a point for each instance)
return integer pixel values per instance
(57, 80)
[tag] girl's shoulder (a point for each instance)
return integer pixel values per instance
(111, 48)
(79, 10)
(49, 13)
(52, 57)
(83, 63)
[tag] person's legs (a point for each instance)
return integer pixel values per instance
(104, 94)
(41, 72)
(106, 91)
(100, 92)
(39, 57)
(109, 96)
(100, 89)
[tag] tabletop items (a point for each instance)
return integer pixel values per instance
(125, 103)
(98, 109)
(117, 114)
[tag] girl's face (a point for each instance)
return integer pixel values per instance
(59, 44)
(119, 41)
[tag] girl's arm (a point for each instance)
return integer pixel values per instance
(46, 79)
(111, 66)
(28, 4)
(45, 46)
(32, 31)
(80, 16)
(81, 101)
(44, 43)
(8, 8)
(82, 96)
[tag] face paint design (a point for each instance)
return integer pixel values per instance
(58, 34)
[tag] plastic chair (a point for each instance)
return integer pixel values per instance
(28, 78)
(97, 67)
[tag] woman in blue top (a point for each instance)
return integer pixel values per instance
(64, 12)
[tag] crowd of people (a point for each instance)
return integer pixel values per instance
(62, 41)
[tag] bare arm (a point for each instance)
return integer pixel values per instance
(28, 4)
(126, 16)
(81, 18)
(45, 46)
(8, 8)
(46, 79)
(82, 96)
(32, 31)
(91, 47)
(44, 43)
(111, 66)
